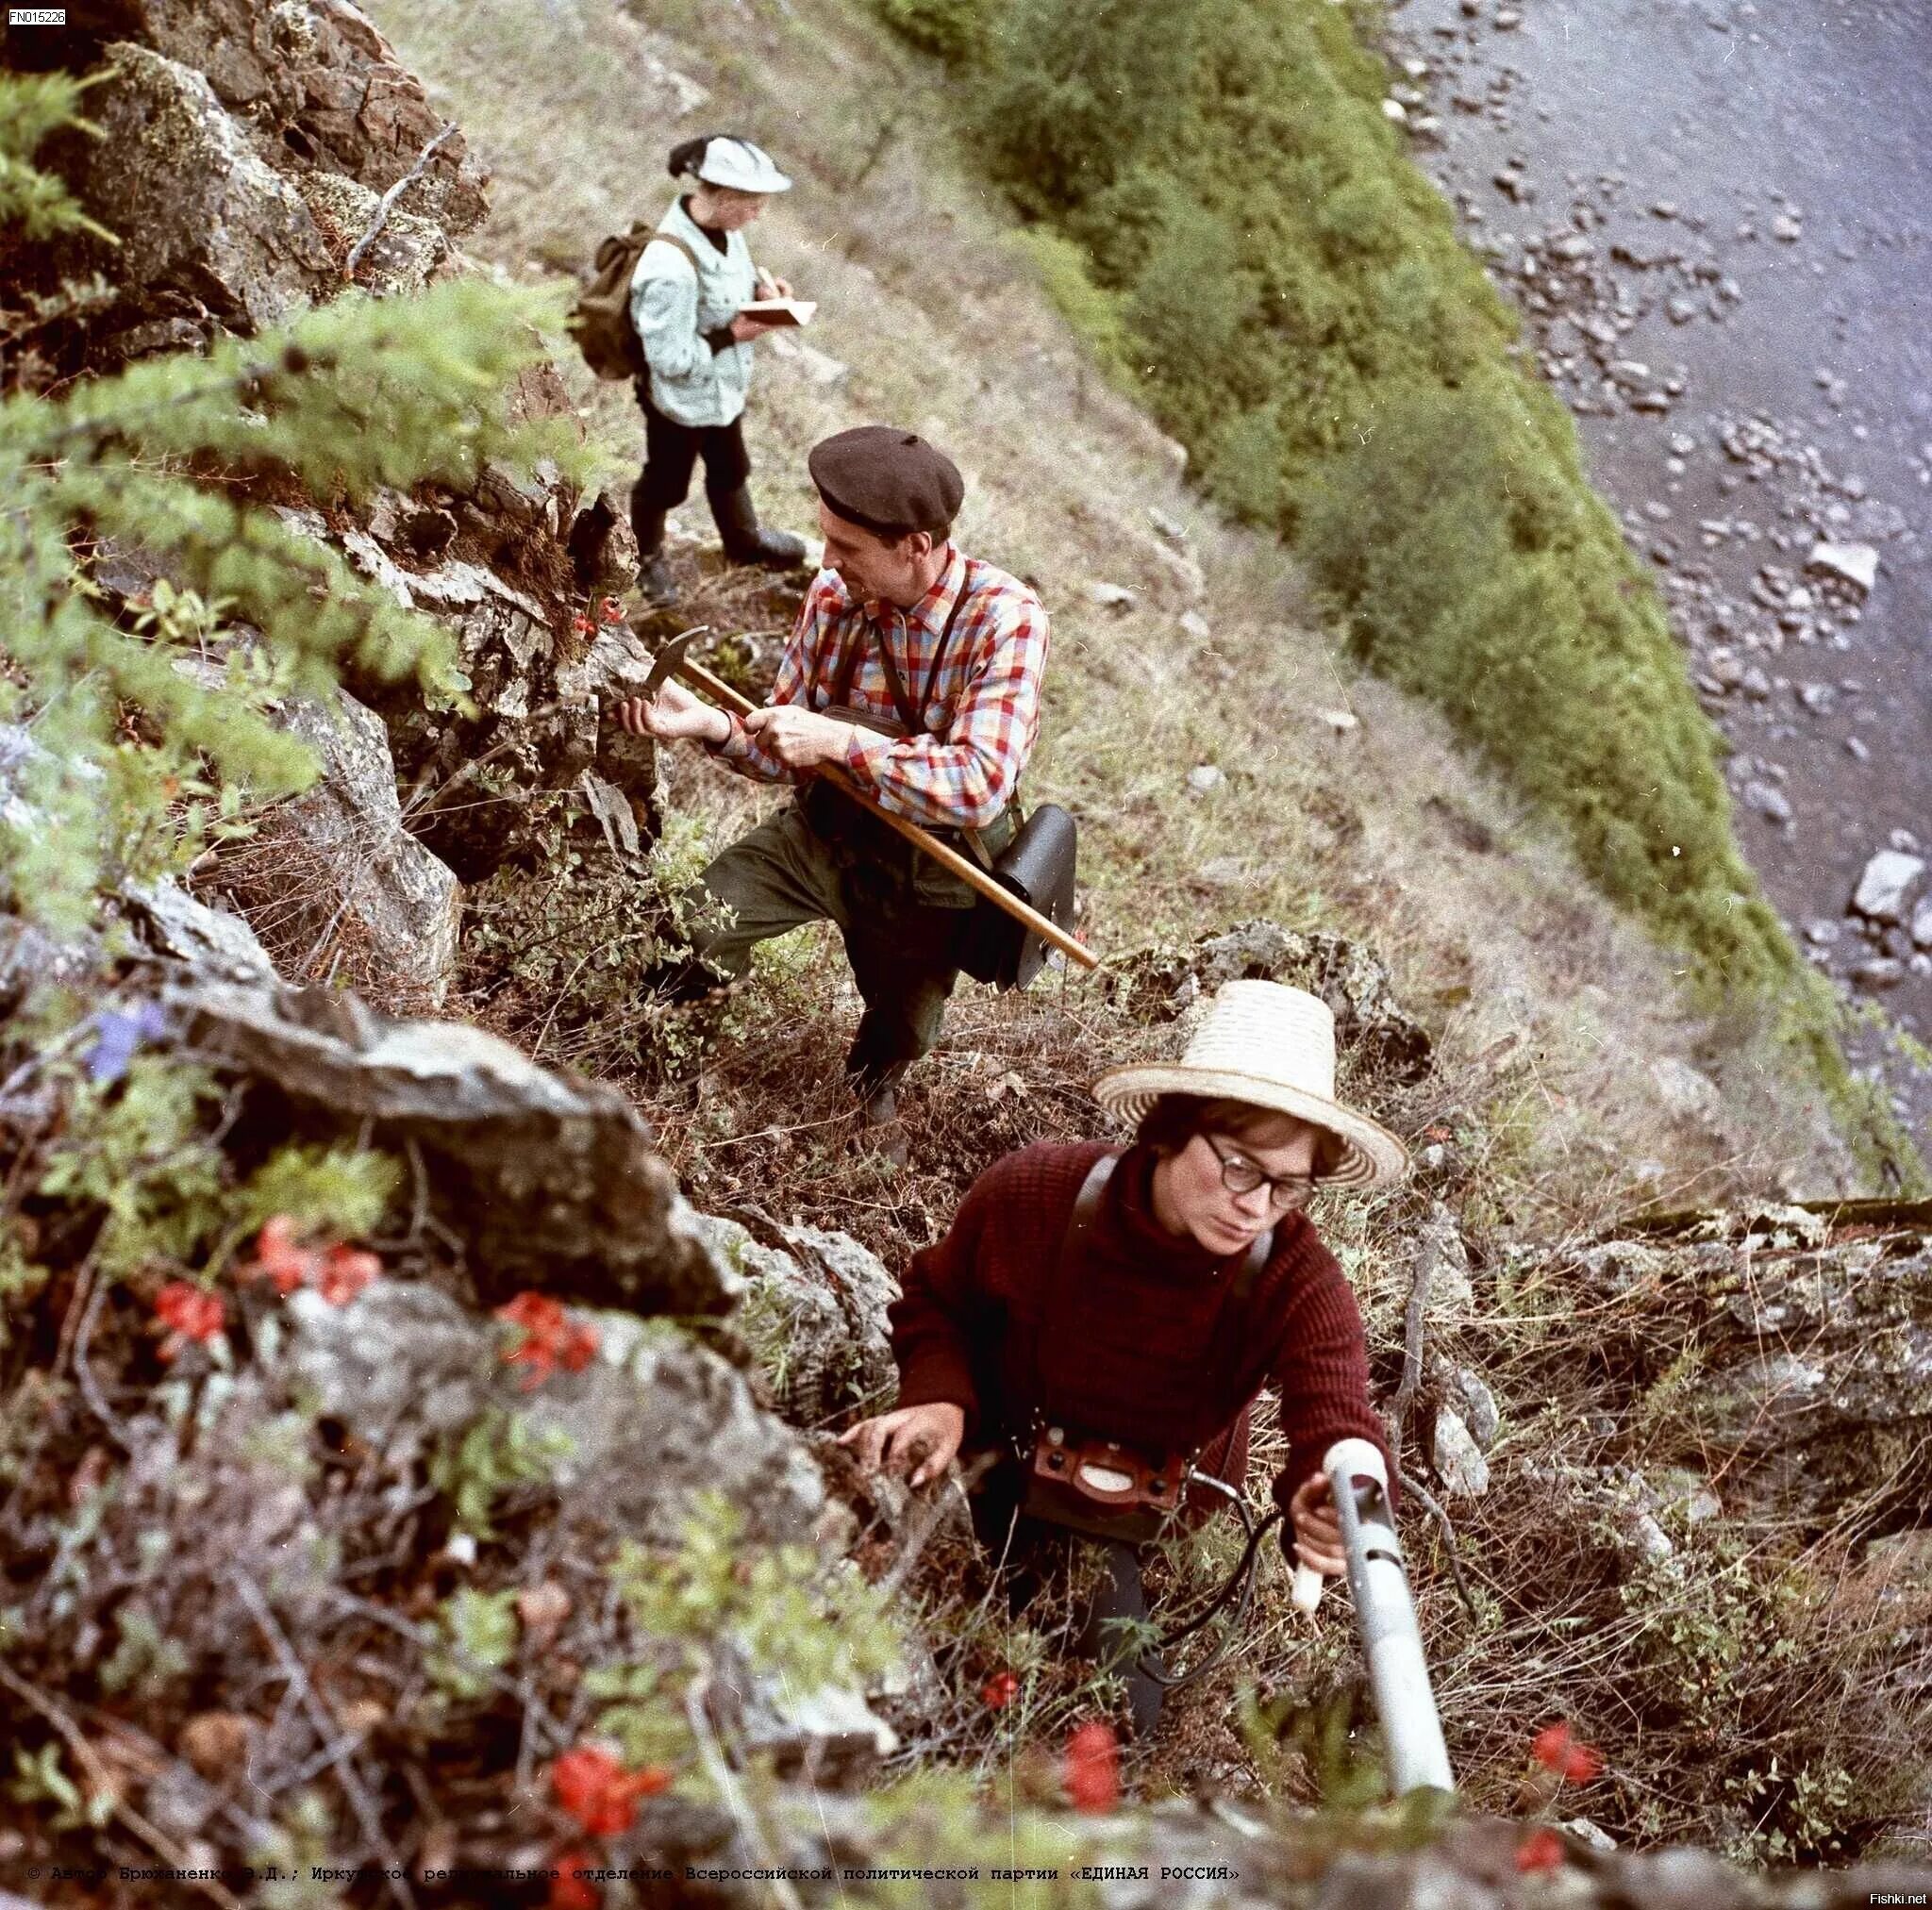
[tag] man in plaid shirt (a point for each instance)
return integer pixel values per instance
(915, 669)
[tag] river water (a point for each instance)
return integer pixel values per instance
(1717, 215)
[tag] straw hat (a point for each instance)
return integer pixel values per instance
(1269, 1046)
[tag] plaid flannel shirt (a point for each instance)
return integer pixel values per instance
(983, 709)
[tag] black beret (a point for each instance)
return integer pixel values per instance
(886, 481)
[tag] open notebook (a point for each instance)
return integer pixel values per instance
(784, 311)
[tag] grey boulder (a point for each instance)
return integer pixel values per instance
(546, 1181)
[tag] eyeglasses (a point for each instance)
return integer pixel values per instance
(1240, 1176)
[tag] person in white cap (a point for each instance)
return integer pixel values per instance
(687, 301)
(1139, 1299)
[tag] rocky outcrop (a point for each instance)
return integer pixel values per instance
(543, 1181)
(247, 145)
(390, 895)
(1216, 1854)
(1812, 1335)
(180, 925)
(542, 681)
(1375, 1035)
(815, 1311)
(197, 211)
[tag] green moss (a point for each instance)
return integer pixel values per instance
(1288, 293)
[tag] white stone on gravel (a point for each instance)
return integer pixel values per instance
(1886, 884)
(1459, 1463)
(1855, 563)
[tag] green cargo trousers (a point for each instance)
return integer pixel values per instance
(901, 915)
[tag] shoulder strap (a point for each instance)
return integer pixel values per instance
(1080, 1221)
(1068, 1266)
(664, 238)
(914, 719)
(939, 655)
(1225, 1354)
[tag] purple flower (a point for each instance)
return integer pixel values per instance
(120, 1035)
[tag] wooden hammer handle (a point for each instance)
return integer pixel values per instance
(963, 867)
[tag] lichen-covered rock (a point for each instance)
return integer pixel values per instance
(403, 904)
(193, 203)
(1814, 1347)
(405, 252)
(547, 1181)
(177, 924)
(1459, 1460)
(651, 1424)
(1375, 1035)
(816, 1313)
(316, 79)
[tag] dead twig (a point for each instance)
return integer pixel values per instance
(103, 1781)
(931, 1514)
(340, 1743)
(1426, 1261)
(711, 1756)
(90, 1387)
(390, 198)
(1424, 1498)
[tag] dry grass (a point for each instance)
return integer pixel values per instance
(1383, 831)
(1550, 1012)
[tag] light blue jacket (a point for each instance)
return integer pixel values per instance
(672, 306)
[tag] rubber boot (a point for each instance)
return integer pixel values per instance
(745, 542)
(1120, 1594)
(654, 580)
(881, 1133)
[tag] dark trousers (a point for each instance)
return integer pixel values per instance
(671, 455)
(904, 953)
(1034, 1550)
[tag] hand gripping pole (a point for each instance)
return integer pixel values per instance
(1385, 1614)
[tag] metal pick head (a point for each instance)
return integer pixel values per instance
(669, 657)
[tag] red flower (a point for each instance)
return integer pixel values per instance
(189, 1313)
(582, 624)
(550, 1338)
(611, 609)
(999, 1692)
(1092, 1772)
(1557, 1747)
(279, 1255)
(345, 1273)
(597, 1790)
(568, 1888)
(1542, 1850)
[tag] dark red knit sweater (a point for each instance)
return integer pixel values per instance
(1148, 1350)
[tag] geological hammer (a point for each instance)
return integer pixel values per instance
(671, 661)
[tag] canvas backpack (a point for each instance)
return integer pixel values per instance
(600, 321)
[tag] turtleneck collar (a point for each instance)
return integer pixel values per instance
(1140, 1225)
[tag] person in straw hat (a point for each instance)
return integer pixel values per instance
(1143, 1298)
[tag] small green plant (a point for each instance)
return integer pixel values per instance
(144, 1661)
(497, 1454)
(721, 1605)
(39, 1778)
(141, 1151)
(478, 1631)
(779, 1606)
